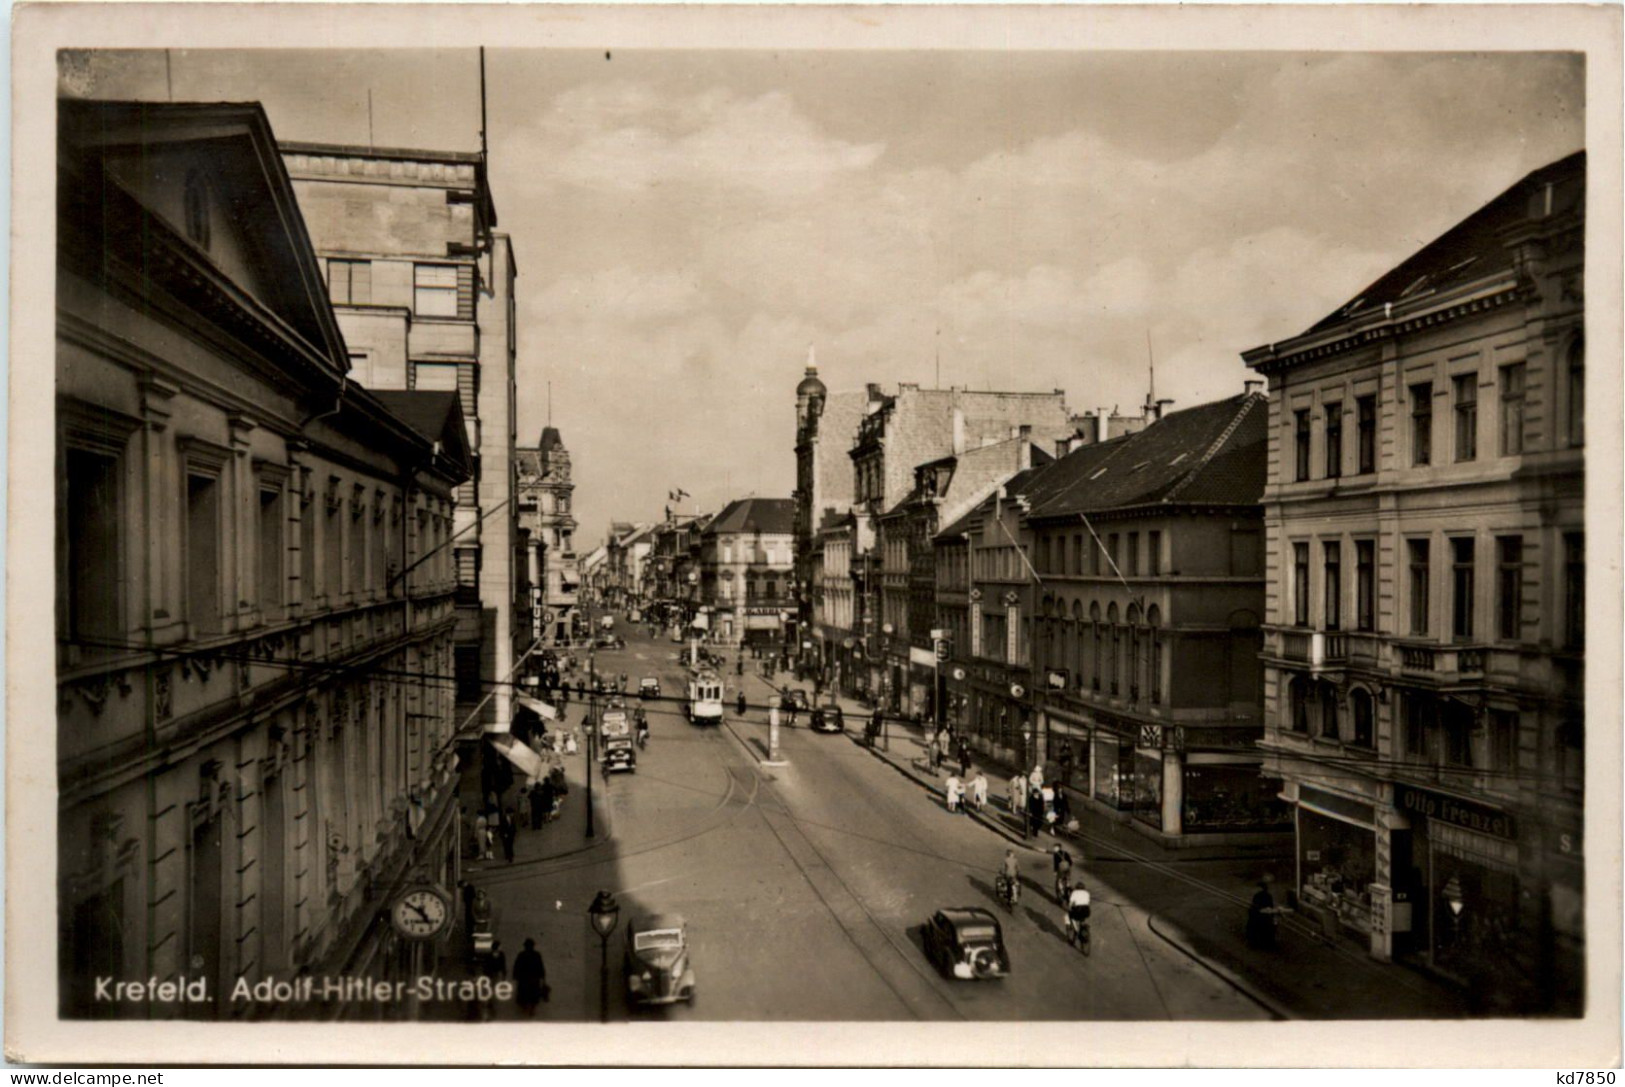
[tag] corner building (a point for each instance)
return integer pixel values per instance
(1424, 643)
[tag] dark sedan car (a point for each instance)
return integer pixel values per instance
(966, 942)
(827, 718)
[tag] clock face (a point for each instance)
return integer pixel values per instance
(420, 913)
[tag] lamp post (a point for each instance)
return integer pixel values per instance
(592, 729)
(604, 913)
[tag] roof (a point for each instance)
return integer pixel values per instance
(1472, 249)
(550, 440)
(970, 915)
(1213, 454)
(769, 516)
(436, 414)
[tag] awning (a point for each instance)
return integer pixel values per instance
(519, 754)
(538, 707)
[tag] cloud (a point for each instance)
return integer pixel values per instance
(622, 295)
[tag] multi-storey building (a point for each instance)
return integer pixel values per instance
(1426, 601)
(628, 549)
(841, 619)
(423, 286)
(747, 562)
(544, 495)
(254, 583)
(1148, 550)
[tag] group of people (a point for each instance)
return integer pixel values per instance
(1039, 805)
(1072, 897)
(494, 825)
(488, 959)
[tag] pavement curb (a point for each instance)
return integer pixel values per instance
(1177, 938)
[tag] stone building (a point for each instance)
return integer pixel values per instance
(423, 284)
(254, 585)
(552, 569)
(1425, 627)
(746, 564)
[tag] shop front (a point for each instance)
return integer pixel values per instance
(1337, 863)
(1228, 793)
(1113, 769)
(1145, 804)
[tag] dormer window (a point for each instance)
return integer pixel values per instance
(197, 209)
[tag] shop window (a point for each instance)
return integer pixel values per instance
(1300, 584)
(1574, 589)
(1364, 718)
(1334, 441)
(1146, 805)
(1227, 797)
(1422, 423)
(1365, 585)
(1366, 433)
(1466, 396)
(1504, 741)
(89, 544)
(1301, 443)
(1333, 572)
(1512, 385)
(1461, 588)
(1418, 550)
(1509, 587)
(1328, 712)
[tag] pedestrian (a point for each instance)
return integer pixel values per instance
(545, 798)
(495, 967)
(482, 834)
(529, 978)
(561, 787)
(740, 702)
(953, 790)
(932, 755)
(508, 831)
(468, 906)
(538, 804)
(1047, 806)
(964, 759)
(570, 746)
(1035, 811)
(1063, 809)
(1018, 796)
(978, 791)
(1261, 917)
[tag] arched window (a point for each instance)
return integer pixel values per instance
(1131, 619)
(1153, 618)
(1095, 631)
(1364, 714)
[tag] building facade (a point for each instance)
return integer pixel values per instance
(545, 491)
(423, 284)
(1425, 629)
(746, 565)
(254, 585)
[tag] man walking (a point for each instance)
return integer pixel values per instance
(508, 832)
(529, 978)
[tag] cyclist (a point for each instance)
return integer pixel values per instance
(1009, 879)
(1063, 871)
(1077, 915)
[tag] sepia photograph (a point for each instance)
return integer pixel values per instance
(1050, 519)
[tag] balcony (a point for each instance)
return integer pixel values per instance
(1446, 664)
(1320, 649)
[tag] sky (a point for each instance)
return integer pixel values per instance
(688, 223)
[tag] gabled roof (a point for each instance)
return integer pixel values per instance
(1208, 455)
(1472, 249)
(117, 188)
(435, 414)
(769, 516)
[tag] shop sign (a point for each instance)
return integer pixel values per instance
(1568, 843)
(1462, 813)
(1151, 736)
(1057, 678)
(1332, 804)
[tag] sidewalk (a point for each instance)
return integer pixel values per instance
(1197, 898)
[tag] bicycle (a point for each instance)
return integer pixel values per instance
(1063, 886)
(1009, 891)
(1077, 934)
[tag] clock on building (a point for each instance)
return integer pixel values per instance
(421, 912)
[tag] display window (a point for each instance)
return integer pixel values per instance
(1474, 904)
(1337, 863)
(1232, 796)
(1114, 773)
(1147, 800)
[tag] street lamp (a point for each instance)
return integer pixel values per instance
(604, 913)
(592, 729)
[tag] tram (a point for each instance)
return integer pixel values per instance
(704, 702)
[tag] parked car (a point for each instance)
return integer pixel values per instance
(827, 718)
(797, 697)
(649, 687)
(966, 942)
(657, 967)
(610, 641)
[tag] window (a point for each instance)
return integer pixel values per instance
(1300, 584)
(1094, 554)
(1419, 710)
(1570, 754)
(1334, 440)
(1512, 379)
(1364, 718)
(1504, 740)
(272, 547)
(1574, 589)
(467, 658)
(1466, 388)
(1302, 439)
(1457, 723)
(307, 548)
(203, 552)
(1419, 585)
(434, 290)
(349, 282)
(1328, 712)
(1332, 554)
(1298, 699)
(1111, 550)
(1134, 554)
(1366, 433)
(333, 544)
(1422, 423)
(1577, 393)
(1365, 584)
(1461, 588)
(1154, 553)
(90, 546)
(1509, 587)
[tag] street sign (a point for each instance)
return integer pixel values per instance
(944, 649)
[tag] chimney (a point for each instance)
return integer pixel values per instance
(1253, 386)
(1063, 446)
(874, 392)
(1024, 453)
(1157, 410)
(1025, 432)
(959, 431)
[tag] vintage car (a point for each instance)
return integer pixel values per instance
(966, 942)
(649, 687)
(827, 718)
(615, 741)
(797, 697)
(657, 968)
